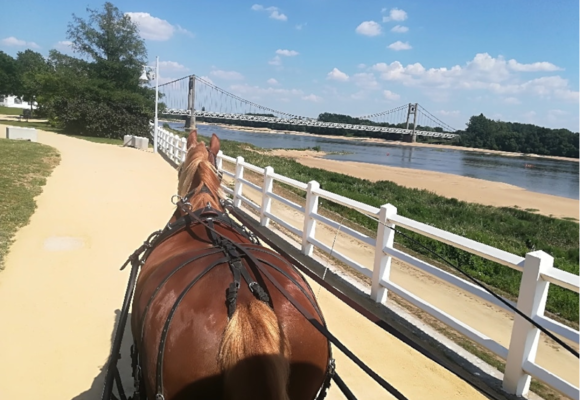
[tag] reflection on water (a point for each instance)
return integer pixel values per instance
(556, 177)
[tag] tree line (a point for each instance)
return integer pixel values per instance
(484, 133)
(481, 132)
(97, 94)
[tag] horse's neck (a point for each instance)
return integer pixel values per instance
(202, 199)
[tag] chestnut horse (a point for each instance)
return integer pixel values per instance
(203, 332)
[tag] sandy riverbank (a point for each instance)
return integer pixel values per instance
(454, 186)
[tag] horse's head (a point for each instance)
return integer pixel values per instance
(199, 181)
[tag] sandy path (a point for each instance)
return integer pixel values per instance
(59, 297)
(487, 318)
(460, 187)
(58, 306)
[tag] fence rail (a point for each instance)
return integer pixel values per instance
(537, 268)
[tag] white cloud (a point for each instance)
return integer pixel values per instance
(12, 41)
(398, 45)
(184, 31)
(300, 26)
(534, 67)
(275, 61)
(387, 94)
(227, 75)
(63, 45)
(395, 15)
(557, 113)
(257, 92)
(274, 12)
(368, 28)
(287, 53)
(278, 16)
(337, 75)
(399, 29)
(153, 28)
(482, 73)
(511, 100)
(312, 97)
(446, 113)
(272, 81)
(172, 66)
(366, 80)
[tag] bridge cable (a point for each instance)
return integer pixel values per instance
(501, 299)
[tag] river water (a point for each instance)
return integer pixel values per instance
(555, 177)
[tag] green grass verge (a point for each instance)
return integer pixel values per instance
(45, 126)
(509, 229)
(24, 167)
(10, 110)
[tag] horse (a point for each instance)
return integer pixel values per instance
(206, 323)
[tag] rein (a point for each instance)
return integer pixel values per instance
(320, 327)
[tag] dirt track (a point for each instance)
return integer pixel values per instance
(62, 288)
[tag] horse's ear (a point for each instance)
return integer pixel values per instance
(214, 144)
(192, 139)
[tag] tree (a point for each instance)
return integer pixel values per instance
(100, 95)
(30, 66)
(112, 41)
(8, 75)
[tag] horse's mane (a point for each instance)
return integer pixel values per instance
(198, 170)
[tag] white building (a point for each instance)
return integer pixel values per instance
(13, 101)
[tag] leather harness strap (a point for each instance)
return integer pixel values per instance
(320, 327)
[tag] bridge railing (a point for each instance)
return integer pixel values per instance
(537, 267)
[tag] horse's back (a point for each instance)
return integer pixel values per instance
(186, 296)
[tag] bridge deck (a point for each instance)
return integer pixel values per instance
(62, 289)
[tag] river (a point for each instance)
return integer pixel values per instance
(555, 177)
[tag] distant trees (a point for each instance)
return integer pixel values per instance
(484, 133)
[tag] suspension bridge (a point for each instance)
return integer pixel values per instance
(195, 98)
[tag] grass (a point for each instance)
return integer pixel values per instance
(10, 110)
(24, 167)
(45, 126)
(509, 229)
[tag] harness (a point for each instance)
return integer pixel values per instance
(233, 254)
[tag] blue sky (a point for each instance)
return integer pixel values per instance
(512, 60)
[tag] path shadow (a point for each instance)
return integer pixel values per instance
(124, 364)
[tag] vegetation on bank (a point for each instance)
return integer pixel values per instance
(484, 133)
(24, 167)
(509, 229)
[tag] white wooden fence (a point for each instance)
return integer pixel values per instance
(537, 267)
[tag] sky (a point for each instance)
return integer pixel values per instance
(512, 60)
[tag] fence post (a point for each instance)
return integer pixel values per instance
(238, 186)
(310, 208)
(219, 161)
(266, 200)
(174, 150)
(525, 337)
(183, 149)
(382, 264)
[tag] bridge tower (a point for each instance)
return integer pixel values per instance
(190, 119)
(412, 110)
